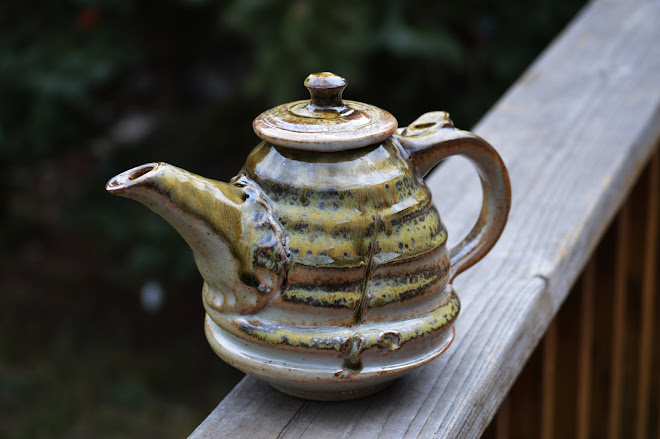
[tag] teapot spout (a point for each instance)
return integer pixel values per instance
(236, 241)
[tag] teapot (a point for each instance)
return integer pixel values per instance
(325, 266)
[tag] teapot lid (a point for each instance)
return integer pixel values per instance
(325, 122)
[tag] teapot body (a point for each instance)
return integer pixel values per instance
(360, 225)
(368, 277)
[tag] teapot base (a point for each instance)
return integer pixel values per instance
(322, 377)
(307, 390)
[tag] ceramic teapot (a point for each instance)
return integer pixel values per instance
(325, 265)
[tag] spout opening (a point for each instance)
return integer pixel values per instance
(139, 172)
(130, 177)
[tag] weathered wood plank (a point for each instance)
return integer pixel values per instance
(648, 299)
(503, 420)
(549, 382)
(587, 310)
(619, 322)
(574, 131)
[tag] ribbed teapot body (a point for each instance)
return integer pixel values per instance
(325, 265)
(369, 271)
(362, 230)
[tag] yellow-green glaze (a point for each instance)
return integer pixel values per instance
(336, 338)
(381, 215)
(224, 224)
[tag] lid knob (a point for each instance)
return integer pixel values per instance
(325, 89)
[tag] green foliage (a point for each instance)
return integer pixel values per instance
(403, 55)
(292, 39)
(47, 84)
(78, 356)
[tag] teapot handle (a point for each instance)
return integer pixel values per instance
(432, 138)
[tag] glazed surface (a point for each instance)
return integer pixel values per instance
(361, 229)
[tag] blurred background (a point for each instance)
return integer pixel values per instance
(100, 311)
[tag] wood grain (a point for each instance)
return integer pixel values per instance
(575, 132)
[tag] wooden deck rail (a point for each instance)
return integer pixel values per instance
(575, 131)
(602, 380)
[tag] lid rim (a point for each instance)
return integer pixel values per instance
(380, 127)
(322, 142)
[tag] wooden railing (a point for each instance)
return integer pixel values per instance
(596, 373)
(576, 131)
